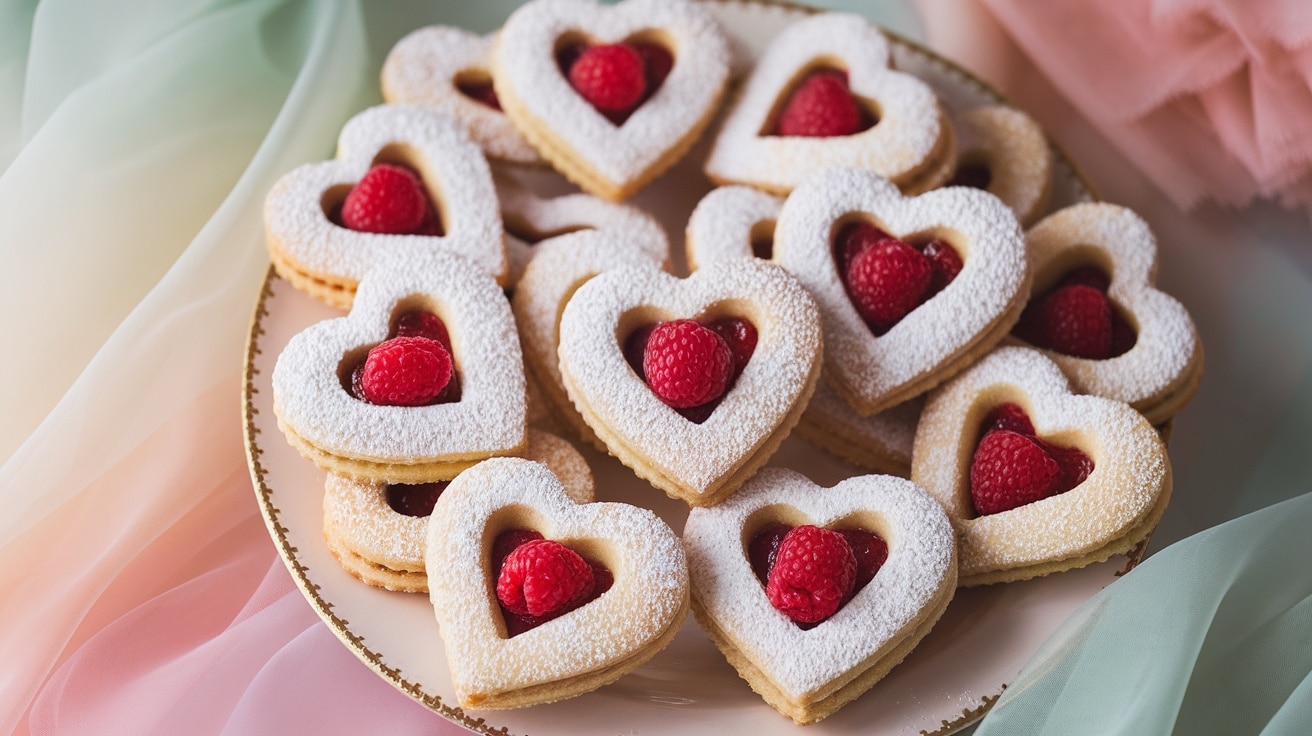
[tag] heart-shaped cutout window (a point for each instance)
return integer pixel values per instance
(973, 172)
(615, 78)
(887, 277)
(537, 579)
(476, 84)
(691, 365)
(1012, 466)
(1077, 318)
(414, 499)
(811, 572)
(820, 104)
(390, 199)
(414, 366)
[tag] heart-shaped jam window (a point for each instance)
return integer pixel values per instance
(690, 365)
(476, 84)
(615, 78)
(414, 499)
(821, 105)
(1077, 318)
(414, 366)
(886, 277)
(539, 579)
(1012, 466)
(810, 572)
(390, 199)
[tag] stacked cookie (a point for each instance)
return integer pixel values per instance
(863, 276)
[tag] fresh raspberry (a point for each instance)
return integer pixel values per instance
(1007, 416)
(612, 78)
(975, 176)
(390, 199)
(854, 238)
(544, 578)
(1073, 320)
(506, 542)
(945, 263)
(419, 323)
(481, 92)
(1011, 470)
(415, 499)
(764, 548)
(822, 106)
(635, 347)
(813, 574)
(405, 371)
(870, 551)
(886, 281)
(658, 61)
(1075, 465)
(686, 364)
(740, 335)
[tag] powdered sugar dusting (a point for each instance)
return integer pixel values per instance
(525, 69)
(453, 169)
(645, 557)
(920, 565)
(489, 418)
(1017, 154)
(872, 370)
(1167, 346)
(904, 141)
(698, 455)
(1130, 464)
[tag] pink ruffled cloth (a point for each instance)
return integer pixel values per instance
(1212, 99)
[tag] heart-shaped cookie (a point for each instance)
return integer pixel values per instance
(377, 530)
(910, 142)
(327, 260)
(315, 377)
(560, 267)
(607, 159)
(940, 336)
(1158, 367)
(699, 463)
(738, 222)
(1114, 508)
(450, 69)
(809, 674)
(1003, 151)
(580, 651)
(530, 221)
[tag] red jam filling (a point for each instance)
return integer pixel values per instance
(702, 365)
(1012, 466)
(886, 277)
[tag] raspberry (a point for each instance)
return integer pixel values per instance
(612, 78)
(886, 281)
(405, 371)
(944, 262)
(740, 335)
(854, 238)
(870, 551)
(1008, 416)
(544, 578)
(822, 106)
(686, 365)
(418, 323)
(390, 199)
(1073, 320)
(813, 574)
(764, 548)
(415, 499)
(481, 92)
(1011, 470)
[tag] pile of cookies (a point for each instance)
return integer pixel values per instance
(862, 275)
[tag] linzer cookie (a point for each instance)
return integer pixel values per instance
(813, 594)
(611, 96)
(694, 382)
(823, 95)
(450, 69)
(738, 222)
(377, 530)
(1096, 314)
(407, 181)
(1037, 479)
(912, 289)
(539, 598)
(1003, 151)
(421, 380)
(531, 220)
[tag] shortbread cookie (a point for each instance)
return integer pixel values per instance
(450, 69)
(1096, 313)
(550, 280)
(694, 382)
(516, 511)
(376, 530)
(823, 95)
(531, 220)
(738, 222)
(753, 602)
(1004, 152)
(912, 289)
(362, 395)
(611, 96)
(1037, 479)
(312, 248)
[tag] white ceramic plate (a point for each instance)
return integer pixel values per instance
(689, 688)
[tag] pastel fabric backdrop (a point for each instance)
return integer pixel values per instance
(141, 592)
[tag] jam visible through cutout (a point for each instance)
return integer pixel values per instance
(413, 367)
(1077, 318)
(691, 365)
(824, 597)
(543, 580)
(615, 78)
(478, 87)
(390, 199)
(886, 277)
(822, 105)
(415, 499)
(1013, 467)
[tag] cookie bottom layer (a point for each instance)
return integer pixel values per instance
(336, 292)
(374, 573)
